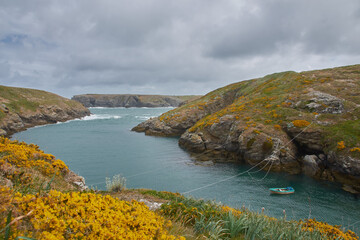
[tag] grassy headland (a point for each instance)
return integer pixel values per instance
(295, 122)
(21, 108)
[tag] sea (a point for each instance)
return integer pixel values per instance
(102, 145)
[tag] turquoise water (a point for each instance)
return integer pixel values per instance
(102, 145)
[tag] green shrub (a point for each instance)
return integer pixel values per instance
(117, 184)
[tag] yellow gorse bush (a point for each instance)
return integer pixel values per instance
(341, 145)
(234, 211)
(77, 215)
(355, 149)
(330, 231)
(301, 123)
(24, 155)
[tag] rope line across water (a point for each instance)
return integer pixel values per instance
(247, 171)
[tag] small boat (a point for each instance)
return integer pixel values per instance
(287, 190)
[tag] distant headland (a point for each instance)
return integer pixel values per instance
(132, 100)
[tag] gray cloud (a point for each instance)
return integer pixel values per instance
(169, 47)
(320, 27)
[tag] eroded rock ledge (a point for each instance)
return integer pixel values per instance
(291, 122)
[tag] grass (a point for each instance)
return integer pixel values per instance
(160, 194)
(16, 106)
(23, 99)
(342, 131)
(213, 221)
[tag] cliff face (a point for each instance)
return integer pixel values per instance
(21, 108)
(130, 100)
(295, 122)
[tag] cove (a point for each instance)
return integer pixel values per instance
(102, 145)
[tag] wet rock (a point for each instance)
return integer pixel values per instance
(204, 163)
(192, 142)
(350, 189)
(311, 165)
(327, 175)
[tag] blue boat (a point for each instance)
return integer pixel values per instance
(283, 191)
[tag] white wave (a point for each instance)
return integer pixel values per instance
(99, 117)
(93, 117)
(144, 117)
(106, 107)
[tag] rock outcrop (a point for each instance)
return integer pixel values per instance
(304, 122)
(131, 100)
(22, 108)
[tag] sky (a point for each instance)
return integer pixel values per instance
(173, 47)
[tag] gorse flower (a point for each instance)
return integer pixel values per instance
(341, 145)
(301, 123)
(330, 231)
(22, 155)
(77, 215)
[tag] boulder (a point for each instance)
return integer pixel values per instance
(192, 142)
(6, 182)
(4, 108)
(76, 180)
(2, 132)
(325, 103)
(311, 165)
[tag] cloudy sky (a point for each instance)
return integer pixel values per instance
(169, 46)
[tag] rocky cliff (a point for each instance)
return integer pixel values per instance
(21, 108)
(130, 100)
(307, 122)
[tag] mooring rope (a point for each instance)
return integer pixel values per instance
(226, 179)
(239, 174)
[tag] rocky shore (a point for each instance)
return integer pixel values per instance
(22, 108)
(131, 100)
(292, 122)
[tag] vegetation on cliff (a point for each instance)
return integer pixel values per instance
(21, 108)
(39, 201)
(284, 121)
(215, 221)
